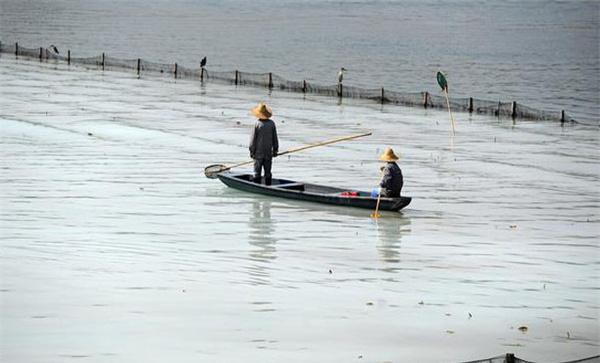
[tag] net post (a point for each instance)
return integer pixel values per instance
(340, 90)
(201, 74)
(513, 111)
(102, 60)
(510, 358)
(562, 116)
(69, 57)
(382, 96)
(40, 54)
(16, 49)
(237, 77)
(175, 72)
(470, 104)
(425, 99)
(270, 80)
(139, 61)
(303, 86)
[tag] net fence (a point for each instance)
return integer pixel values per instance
(510, 358)
(272, 81)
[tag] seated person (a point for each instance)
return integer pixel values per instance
(391, 180)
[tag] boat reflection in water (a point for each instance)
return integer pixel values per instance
(389, 235)
(262, 242)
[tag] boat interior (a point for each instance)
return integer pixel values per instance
(306, 187)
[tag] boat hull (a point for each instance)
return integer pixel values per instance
(290, 189)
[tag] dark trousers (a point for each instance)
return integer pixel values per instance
(259, 164)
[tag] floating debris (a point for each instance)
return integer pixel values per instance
(90, 134)
(513, 226)
(330, 271)
(369, 303)
(470, 315)
(450, 331)
(421, 302)
(523, 329)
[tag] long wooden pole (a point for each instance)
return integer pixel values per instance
(449, 111)
(289, 151)
(323, 143)
(376, 214)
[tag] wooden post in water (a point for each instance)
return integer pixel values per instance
(102, 60)
(139, 66)
(201, 74)
(382, 96)
(17, 49)
(425, 99)
(562, 116)
(513, 110)
(471, 104)
(237, 77)
(340, 90)
(69, 57)
(175, 72)
(304, 86)
(40, 54)
(270, 80)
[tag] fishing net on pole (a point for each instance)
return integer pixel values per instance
(273, 81)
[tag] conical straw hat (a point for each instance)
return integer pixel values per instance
(262, 111)
(388, 155)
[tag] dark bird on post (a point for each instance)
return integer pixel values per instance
(203, 62)
(53, 48)
(341, 74)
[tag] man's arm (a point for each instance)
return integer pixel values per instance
(275, 141)
(252, 146)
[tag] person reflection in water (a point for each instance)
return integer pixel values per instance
(263, 243)
(264, 143)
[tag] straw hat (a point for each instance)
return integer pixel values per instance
(262, 111)
(388, 155)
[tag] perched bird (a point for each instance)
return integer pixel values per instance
(341, 74)
(203, 62)
(53, 48)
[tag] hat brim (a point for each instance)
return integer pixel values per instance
(262, 115)
(389, 158)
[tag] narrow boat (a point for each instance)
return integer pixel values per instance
(291, 189)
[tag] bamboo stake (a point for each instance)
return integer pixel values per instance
(449, 111)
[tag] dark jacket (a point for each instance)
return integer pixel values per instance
(263, 141)
(391, 181)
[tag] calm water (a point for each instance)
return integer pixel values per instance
(544, 54)
(115, 247)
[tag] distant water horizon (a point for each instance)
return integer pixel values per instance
(543, 54)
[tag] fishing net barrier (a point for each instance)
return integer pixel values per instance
(510, 358)
(272, 81)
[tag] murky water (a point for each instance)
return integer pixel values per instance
(115, 247)
(543, 54)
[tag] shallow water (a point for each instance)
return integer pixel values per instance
(115, 247)
(543, 54)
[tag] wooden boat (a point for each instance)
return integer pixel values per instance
(291, 189)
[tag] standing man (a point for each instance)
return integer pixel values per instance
(264, 143)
